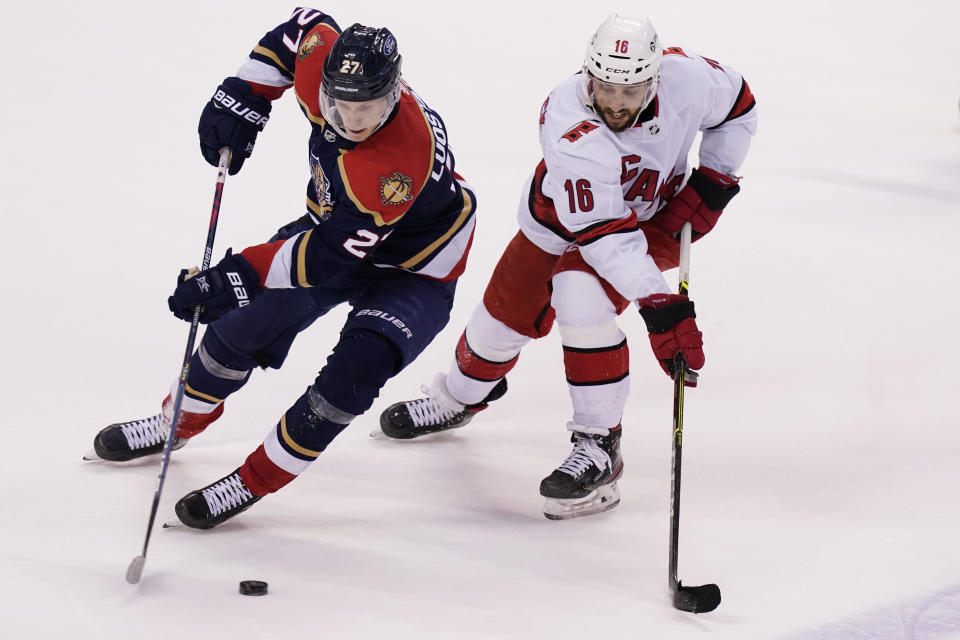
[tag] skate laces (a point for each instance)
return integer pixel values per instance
(144, 433)
(226, 494)
(586, 452)
(437, 407)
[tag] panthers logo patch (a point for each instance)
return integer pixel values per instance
(321, 187)
(395, 189)
(307, 46)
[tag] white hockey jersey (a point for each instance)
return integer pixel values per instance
(603, 184)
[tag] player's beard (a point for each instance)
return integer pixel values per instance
(627, 119)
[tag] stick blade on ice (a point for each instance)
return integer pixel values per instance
(135, 569)
(696, 599)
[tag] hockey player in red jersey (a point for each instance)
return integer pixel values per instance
(598, 224)
(388, 228)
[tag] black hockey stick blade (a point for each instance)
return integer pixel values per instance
(696, 599)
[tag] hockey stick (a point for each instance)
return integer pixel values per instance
(707, 597)
(136, 565)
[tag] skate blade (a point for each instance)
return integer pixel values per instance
(603, 499)
(433, 436)
(91, 456)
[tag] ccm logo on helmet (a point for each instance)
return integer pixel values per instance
(239, 291)
(236, 107)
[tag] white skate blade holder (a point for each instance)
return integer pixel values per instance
(603, 499)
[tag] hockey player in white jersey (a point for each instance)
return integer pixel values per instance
(598, 224)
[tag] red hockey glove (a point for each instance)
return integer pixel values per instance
(701, 202)
(670, 319)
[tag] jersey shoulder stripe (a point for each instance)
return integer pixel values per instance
(287, 44)
(743, 104)
(313, 52)
(430, 249)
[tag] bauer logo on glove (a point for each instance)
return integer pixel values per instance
(239, 290)
(217, 291)
(225, 101)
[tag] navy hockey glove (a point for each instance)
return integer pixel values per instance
(230, 284)
(701, 201)
(232, 118)
(670, 319)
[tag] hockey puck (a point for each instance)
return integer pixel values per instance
(253, 587)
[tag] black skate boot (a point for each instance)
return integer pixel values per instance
(135, 439)
(586, 482)
(215, 503)
(437, 412)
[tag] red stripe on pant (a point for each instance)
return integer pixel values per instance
(478, 368)
(602, 365)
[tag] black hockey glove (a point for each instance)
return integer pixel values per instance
(230, 284)
(232, 118)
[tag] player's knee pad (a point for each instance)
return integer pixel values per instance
(209, 380)
(226, 358)
(585, 314)
(361, 363)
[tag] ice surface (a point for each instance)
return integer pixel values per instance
(821, 472)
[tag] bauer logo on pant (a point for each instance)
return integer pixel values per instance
(386, 317)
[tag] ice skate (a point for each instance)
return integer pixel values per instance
(131, 440)
(586, 482)
(215, 503)
(438, 411)
(139, 438)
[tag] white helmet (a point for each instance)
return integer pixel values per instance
(623, 51)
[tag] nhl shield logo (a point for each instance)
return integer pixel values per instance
(306, 48)
(395, 189)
